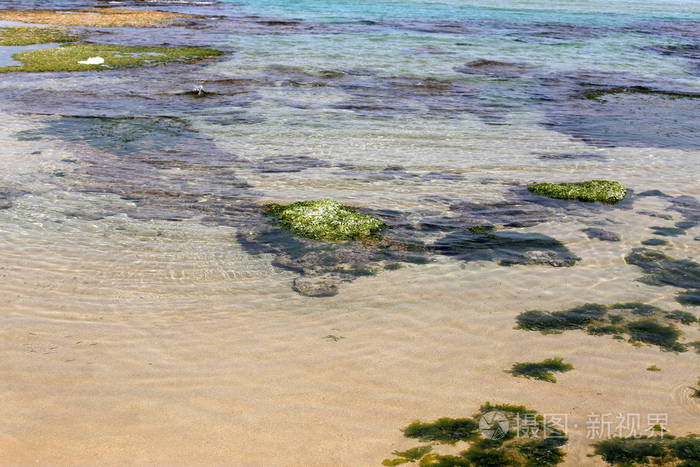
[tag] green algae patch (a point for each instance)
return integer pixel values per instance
(603, 191)
(69, 56)
(543, 371)
(446, 430)
(654, 333)
(325, 220)
(662, 449)
(409, 455)
(642, 323)
(497, 435)
(25, 35)
(696, 391)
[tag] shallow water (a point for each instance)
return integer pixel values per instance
(150, 314)
(7, 52)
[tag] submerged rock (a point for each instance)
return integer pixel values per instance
(492, 68)
(660, 269)
(604, 191)
(319, 286)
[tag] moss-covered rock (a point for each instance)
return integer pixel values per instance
(69, 57)
(543, 371)
(95, 17)
(326, 220)
(603, 191)
(25, 35)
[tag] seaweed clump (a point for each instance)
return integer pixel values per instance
(604, 191)
(664, 449)
(325, 219)
(641, 322)
(24, 35)
(74, 57)
(498, 435)
(543, 371)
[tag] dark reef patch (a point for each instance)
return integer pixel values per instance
(660, 269)
(689, 298)
(507, 248)
(602, 110)
(394, 173)
(401, 96)
(323, 266)
(289, 164)
(688, 52)
(667, 231)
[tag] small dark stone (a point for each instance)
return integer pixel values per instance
(315, 286)
(602, 235)
(653, 193)
(654, 242)
(667, 217)
(667, 231)
(686, 224)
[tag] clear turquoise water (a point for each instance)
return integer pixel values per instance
(584, 12)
